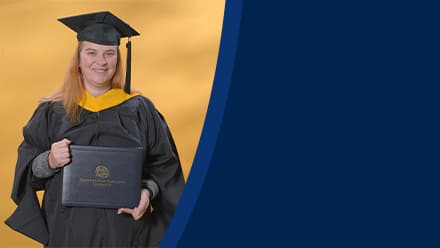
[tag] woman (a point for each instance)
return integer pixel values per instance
(92, 109)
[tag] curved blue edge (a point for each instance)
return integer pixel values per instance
(213, 121)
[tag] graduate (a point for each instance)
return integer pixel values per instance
(95, 107)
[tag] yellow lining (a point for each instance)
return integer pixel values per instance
(107, 100)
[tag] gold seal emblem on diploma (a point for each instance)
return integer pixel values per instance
(102, 171)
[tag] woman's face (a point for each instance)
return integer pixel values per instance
(97, 64)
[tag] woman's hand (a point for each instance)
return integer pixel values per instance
(140, 210)
(59, 154)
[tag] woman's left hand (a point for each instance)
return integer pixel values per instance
(140, 210)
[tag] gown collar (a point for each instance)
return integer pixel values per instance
(107, 100)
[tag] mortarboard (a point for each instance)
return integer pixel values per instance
(103, 28)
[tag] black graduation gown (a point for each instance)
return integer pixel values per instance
(132, 123)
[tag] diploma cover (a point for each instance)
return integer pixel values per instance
(103, 177)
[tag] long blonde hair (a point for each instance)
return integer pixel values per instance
(72, 89)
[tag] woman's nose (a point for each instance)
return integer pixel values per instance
(101, 60)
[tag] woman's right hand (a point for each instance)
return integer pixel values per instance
(59, 154)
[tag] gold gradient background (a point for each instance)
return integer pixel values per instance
(173, 63)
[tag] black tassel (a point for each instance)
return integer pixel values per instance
(127, 87)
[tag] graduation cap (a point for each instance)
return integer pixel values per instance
(103, 28)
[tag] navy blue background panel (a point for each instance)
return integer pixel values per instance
(329, 136)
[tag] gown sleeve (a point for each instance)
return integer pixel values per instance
(27, 217)
(163, 166)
